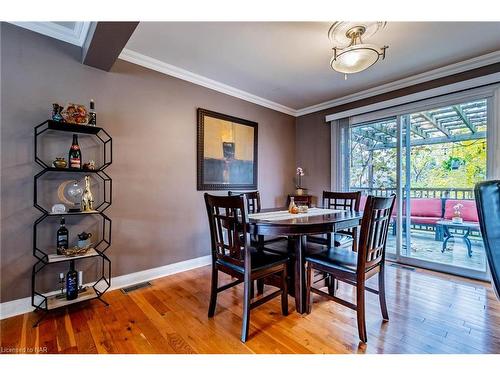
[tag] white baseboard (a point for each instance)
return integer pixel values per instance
(23, 305)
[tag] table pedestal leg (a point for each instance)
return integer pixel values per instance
(300, 277)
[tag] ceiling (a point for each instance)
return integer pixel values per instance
(285, 65)
(288, 62)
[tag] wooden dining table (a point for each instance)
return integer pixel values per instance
(297, 228)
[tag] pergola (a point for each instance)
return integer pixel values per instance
(455, 123)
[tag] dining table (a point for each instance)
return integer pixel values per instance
(279, 222)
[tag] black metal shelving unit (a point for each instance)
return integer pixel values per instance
(44, 302)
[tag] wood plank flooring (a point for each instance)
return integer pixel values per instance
(429, 313)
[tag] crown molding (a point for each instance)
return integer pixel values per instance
(162, 67)
(174, 71)
(74, 36)
(476, 62)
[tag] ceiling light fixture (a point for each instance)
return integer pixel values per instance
(356, 56)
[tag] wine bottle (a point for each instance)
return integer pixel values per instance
(75, 154)
(62, 237)
(71, 282)
(92, 114)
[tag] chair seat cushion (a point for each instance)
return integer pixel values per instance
(342, 259)
(260, 260)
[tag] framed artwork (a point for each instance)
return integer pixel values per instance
(227, 152)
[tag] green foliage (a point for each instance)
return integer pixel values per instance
(431, 166)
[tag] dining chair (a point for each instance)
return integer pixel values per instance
(356, 267)
(340, 201)
(487, 196)
(252, 199)
(233, 255)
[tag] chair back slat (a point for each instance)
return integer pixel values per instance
(374, 230)
(342, 200)
(252, 199)
(228, 221)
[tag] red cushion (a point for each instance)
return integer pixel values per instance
(425, 207)
(468, 211)
(424, 220)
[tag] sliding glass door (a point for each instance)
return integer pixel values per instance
(445, 155)
(431, 158)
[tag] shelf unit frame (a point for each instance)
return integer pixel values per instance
(39, 300)
(100, 133)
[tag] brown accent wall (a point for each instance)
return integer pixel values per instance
(313, 152)
(158, 216)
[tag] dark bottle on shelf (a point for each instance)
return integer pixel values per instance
(71, 282)
(62, 237)
(92, 114)
(75, 154)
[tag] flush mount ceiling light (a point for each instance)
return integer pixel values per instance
(351, 55)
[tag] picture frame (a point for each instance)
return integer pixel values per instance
(226, 152)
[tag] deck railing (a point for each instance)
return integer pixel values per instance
(419, 192)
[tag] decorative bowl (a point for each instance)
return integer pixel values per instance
(75, 114)
(60, 163)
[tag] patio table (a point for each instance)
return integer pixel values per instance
(466, 226)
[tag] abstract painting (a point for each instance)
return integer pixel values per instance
(227, 152)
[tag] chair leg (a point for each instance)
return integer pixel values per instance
(246, 307)
(260, 286)
(309, 283)
(332, 285)
(213, 292)
(360, 310)
(355, 239)
(381, 293)
(284, 292)
(329, 240)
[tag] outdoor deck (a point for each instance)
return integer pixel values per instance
(424, 243)
(425, 247)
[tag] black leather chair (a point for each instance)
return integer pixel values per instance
(488, 207)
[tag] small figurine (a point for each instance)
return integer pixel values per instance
(56, 112)
(90, 166)
(87, 203)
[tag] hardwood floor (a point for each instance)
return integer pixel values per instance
(429, 313)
